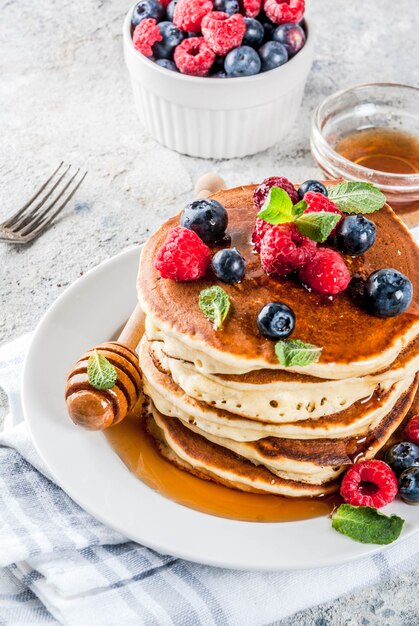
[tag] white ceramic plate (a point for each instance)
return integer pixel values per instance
(90, 312)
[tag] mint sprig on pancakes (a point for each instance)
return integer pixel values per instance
(293, 352)
(356, 197)
(279, 209)
(352, 197)
(317, 226)
(215, 305)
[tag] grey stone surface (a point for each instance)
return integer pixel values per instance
(64, 94)
(394, 602)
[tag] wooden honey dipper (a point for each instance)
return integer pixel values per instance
(97, 409)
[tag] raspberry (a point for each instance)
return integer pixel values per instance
(145, 35)
(370, 483)
(259, 231)
(194, 56)
(189, 13)
(284, 249)
(183, 256)
(326, 273)
(261, 192)
(318, 202)
(223, 32)
(412, 430)
(284, 11)
(251, 8)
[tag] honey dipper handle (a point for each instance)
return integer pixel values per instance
(208, 184)
(133, 329)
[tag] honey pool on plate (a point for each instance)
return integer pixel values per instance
(134, 446)
(382, 149)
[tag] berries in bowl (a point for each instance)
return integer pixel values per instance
(181, 56)
(246, 39)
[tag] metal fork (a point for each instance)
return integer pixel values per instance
(34, 217)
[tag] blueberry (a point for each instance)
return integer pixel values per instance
(291, 36)
(254, 33)
(220, 74)
(311, 185)
(170, 9)
(172, 36)
(355, 235)
(218, 65)
(208, 218)
(272, 54)
(268, 27)
(228, 265)
(227, 6)
(276, 320)
(242, 61)
(409, 485)
(147, 8)
(387, 293)
(168, 65)
(402, 455)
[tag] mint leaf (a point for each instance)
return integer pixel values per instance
(100, 372)
(357, 197)
(215, 305)
(366, 524)
(300, 207)
(277, 208)
(317, 226)
(295, 352)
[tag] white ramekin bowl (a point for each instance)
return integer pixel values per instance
(217, 118)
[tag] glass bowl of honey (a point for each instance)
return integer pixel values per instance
(371, 133)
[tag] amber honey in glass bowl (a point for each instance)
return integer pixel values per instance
(371, 133)
(382, 149)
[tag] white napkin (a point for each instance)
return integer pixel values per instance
(60, 565)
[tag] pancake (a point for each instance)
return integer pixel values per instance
(196, 455)
(172, 307)
(313, 462)
(171, 400)
(317, 460)
(178, 350)
(222, 407)
(289, 401)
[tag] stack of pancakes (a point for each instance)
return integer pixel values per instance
(222, 407)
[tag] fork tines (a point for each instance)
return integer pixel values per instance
(41, 209)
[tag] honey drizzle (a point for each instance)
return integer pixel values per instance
(137, 451)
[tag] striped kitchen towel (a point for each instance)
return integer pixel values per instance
(59, 565)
